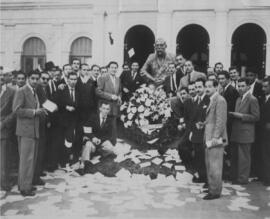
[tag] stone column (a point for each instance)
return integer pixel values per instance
(267, 60)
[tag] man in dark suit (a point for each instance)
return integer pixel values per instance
(95, 74)
(7, 119)
(246, 114)
(27, 107)
(86, 103)
(172, 81)
(67, 101)
(131, 81)
(265, 132)
(256, 91)
(197, 130)
(230, 94)
(109, 89)
(66, 70)
(215, 138)
(180, 64)
(97, 135)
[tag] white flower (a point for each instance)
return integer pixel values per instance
(146, 112)
(155, 117)
(138, 100)
(148, 102)
(133, 110)
(129, 123)
(123, 118)
(141, 108)
(128, 109)
(123, 106)
(130, 116)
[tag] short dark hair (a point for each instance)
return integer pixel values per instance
(180, 54)
(83, 64)
(252, 70)
(71, 74)
(218, 63)
(125, 64)
(103, 102)
(191, 83)
(184, 88)
(20, 73)
(244, 79)
(95, 65)
(267, 79)
(135, 62)
(104, 67)
(233, 68)
(111, 63)
(225, 73)
(44, 72)
(33, 72)
(215, 82)
(65, 66)
(201, 80)
(75, 59)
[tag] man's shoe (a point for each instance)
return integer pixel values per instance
(211, 197)
(39, 182)
(80, 171)
(28, 193)
(266, 184)
(198, 180)
(205, 185)
(34, 188)
(43, 174)
(239, 183)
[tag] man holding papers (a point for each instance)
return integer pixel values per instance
(215, 136)
(97, 135)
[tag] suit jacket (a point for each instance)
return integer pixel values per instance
(216, 118)
(169, 86)
(103, 133)
(7, 118)
(230, 95)
(132, 84)
(265, 121)
(63, 99)
(106, 89)
(199, 115)
(87, 97)
(24, 105)
(192, 77)
(243, 130)
(177, 107)
(258, 92)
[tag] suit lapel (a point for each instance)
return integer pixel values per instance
(211, 104)
(243, 102)
(31, 96)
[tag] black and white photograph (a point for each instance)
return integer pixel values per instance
(135, 109)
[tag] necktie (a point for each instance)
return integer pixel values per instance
(72, 94)
(36, 97)
(103, 122)
(199, 100)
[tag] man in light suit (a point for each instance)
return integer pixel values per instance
(6, 124)
(215, 135)
(247, 113)
(109, 89)
(26, 105)
(191, 75)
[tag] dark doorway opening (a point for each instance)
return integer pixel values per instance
(249, 48)
(193, 42)
(139, 39)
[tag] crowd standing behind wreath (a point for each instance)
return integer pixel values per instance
(51, 118)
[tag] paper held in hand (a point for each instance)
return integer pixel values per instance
(50, 106)
(212, 143)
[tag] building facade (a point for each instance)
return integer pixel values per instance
(234, 32)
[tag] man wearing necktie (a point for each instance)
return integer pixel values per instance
(67, 102)
(109, 89)
(97, 138)
(265, 132)
(26, 105)
(131, 81)
(172, 81)
(246, 114)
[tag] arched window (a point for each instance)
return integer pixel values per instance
(34, 54)
(81, 48)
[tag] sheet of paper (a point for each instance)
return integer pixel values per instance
(50, 106)
(168, 165)
(145, 164)
(131, 52)
(179, 168)
(157, 161)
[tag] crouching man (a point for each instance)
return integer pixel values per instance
(97, 136)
